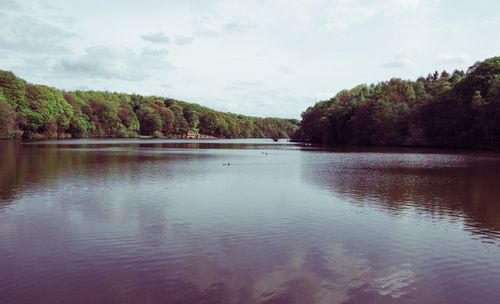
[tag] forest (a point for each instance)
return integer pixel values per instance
(31, 111)
(458, 109)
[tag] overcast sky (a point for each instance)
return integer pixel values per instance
(264, 58)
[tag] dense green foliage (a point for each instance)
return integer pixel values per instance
(37, 111)
(461, 109)
(447, 110)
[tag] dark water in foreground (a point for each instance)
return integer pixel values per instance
(117, 221)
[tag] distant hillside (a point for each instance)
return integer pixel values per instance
(37, 111)
(461, 109)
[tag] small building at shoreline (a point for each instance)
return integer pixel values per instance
(194, 134)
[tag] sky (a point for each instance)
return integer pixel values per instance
(262, 58)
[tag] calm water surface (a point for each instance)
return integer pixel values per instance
(163, 221)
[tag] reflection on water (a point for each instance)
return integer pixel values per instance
(163, 221)
(462, 187)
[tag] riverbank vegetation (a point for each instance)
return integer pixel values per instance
(35, 111)
(458, 109)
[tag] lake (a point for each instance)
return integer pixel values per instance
(168, 221)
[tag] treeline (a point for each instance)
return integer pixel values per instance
(33, 111)
(461, 109)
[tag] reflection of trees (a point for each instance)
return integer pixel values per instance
(456, 186)
(23, 166)
(30, 166)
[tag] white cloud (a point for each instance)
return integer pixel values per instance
(9, 5)
(183, 40)
(113, 63)
(343, 16)
(156, 37)
(490, 21)
(205, 32)
(27, 34)
(455, 58)
(410, 3)
(237, 27)
(399, 63)
(285, 70)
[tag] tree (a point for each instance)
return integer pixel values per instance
(8, 128)
(168, 119)
(13, 90)
(192, 117)
(45, 112)
(149, 119)
(457, 110)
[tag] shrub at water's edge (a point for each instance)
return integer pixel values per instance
(37, 111)
(461, 109)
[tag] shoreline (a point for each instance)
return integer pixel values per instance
(346, 148)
